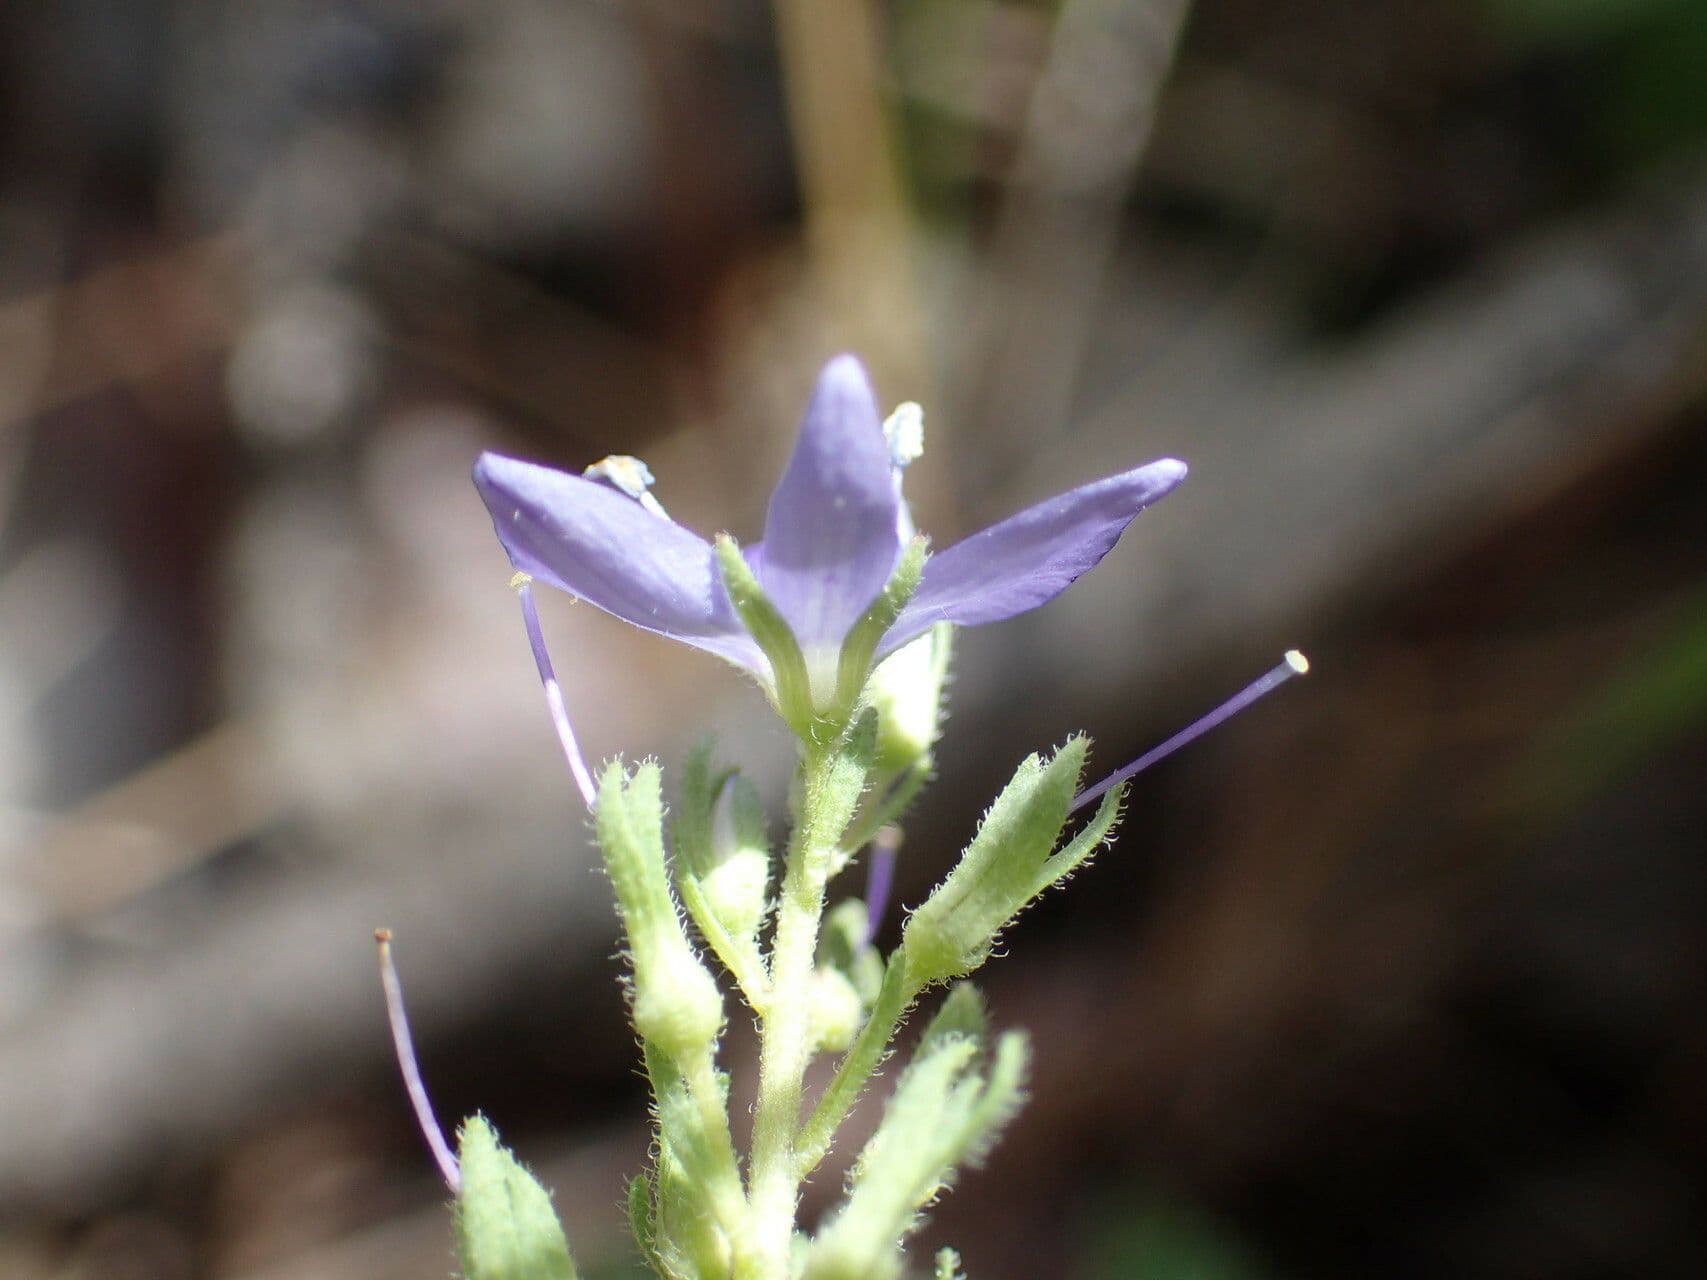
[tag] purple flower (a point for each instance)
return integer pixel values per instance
(834, 534)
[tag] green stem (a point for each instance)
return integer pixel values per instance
(786, 1044)
(711, 1146)
(728, 1203)
(888, 803)
(854, 1071)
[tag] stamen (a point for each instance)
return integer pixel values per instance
(904, 432)
(880, 877)
(1293, 664)
(412, 1082)
(523, 584)
(628, 474)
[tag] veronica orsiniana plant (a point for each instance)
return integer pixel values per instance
(844, 618)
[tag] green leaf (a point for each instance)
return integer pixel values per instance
(962, 1016)
(862, 1239)
(891, 1003)
(505, 1226)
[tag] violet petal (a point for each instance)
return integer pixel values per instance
(1030, 558)
(830, 534)
(585, 538)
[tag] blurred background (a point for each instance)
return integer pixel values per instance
(1401, 974)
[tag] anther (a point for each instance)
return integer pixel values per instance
(1293, 664)
(628, 474)
(904, 433)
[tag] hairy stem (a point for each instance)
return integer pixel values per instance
(786, 1031)
(724, 1193)
(886, 805)
(854, 1071)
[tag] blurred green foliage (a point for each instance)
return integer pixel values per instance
(1141, 1237)
(1644, 65)
(1658, 693)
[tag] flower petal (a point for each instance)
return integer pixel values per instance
(831, 537)
(603, 547)
(1029, 559)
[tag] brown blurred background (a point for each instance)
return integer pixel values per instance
(1401, 974)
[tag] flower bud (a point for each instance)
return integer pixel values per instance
(845, 945)
(836, 1011)
(676, 1002)
(907, 691)
(736, 882)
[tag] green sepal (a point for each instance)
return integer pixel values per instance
(696, 1176)
(836, 790)
(997, 1102)
(506, 1228)
(890, 798)
(944, 1113)
(723, 863)
(900, 1168)
(1007, 865)
(643, 1223)
(767, 626)
(696, 794)
(853, 666)
(962, 1015)
(676, 1004)
(1079, 849)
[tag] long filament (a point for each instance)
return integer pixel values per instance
(412, 1081)
(553, 691)
(1293, 664)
